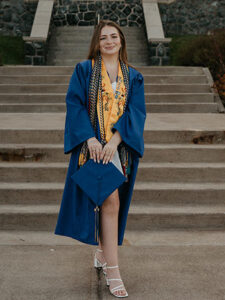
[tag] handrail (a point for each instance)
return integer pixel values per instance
(153, 22)
(35, 44)
(42, 19)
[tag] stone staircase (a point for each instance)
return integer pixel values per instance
(180, 184)
(69, 45)
(168, 89)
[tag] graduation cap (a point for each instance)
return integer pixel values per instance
(98, 181)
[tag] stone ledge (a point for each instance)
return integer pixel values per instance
(34, 39)
(159, 1)
(160, 40)
(153, 21)
(42, 19)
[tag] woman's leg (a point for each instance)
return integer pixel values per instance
(109, 236)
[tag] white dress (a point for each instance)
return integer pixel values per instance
(116, 159)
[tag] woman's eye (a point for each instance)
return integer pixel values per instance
(114, 37)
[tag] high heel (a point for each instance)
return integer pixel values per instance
(98, 264)
(120, 287)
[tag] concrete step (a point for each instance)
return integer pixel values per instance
(164, 217)
(85, 47)
(131, 238)
(78, 55)
(178, 193)
(181, 172)
(25, 128)
(179, 108)
(151, 217)
(68, 70)
(87, 35)
(56, 136)
(175, 272)
(145, 193)
(70, 28)
(76, 29)
(153, 153)
(82, 38)
(73, 28)
(153, 108)
(179, 88)
(72, 62)
(149, 98)
(64, 79)
(156, 172)
(175, 79)
(177, 97)
(73, 56)
(62, 88)
(183, 153)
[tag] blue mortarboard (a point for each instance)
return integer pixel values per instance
(98, 181)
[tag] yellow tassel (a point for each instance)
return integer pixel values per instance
(82, 159)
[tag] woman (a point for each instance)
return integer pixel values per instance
(104, 121)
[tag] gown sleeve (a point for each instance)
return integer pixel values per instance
(78, 127)
(131, 123)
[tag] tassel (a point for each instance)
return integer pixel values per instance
(96, 210)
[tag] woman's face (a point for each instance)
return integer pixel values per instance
(109, 40)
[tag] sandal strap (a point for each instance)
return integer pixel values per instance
(112, 267)
(118, 288)
(110, 279)
(99, 250)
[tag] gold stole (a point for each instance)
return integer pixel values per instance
(113, 104)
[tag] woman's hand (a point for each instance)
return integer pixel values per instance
(95, 148)
(110, 148)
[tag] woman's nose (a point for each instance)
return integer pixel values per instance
(109, 40)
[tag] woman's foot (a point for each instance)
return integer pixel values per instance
(115, 282)
(100, 258)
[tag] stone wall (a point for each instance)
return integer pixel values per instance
(16, 17)
(179, 17)
(84, 13)
(192, 16)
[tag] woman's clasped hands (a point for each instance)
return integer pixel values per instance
(106, 153)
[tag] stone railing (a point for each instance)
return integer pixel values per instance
(158, 44)
(36, 43)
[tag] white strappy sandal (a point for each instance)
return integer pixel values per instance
(98, 264)
(120, 287)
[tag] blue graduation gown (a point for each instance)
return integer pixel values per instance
(76, 218)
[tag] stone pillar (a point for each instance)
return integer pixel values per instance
(35, 52)
(36, 43)
(159, 52)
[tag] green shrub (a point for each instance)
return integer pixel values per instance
(11, 50)
(202, 50)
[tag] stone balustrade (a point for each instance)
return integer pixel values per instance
(158, 44)
(36, 43)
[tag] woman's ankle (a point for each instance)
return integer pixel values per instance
(100, 256)
(113, 272)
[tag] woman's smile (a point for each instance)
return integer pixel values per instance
(109, 48)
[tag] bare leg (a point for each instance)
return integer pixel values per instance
(109, 236)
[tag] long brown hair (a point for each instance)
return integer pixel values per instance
(94, 49)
